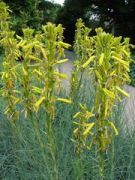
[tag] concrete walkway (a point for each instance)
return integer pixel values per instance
(129, 107)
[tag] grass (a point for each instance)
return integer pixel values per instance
(22, 156)
(40, 146)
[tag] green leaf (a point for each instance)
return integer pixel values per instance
(37, 89)
(114, 128)
(88, 129)
(75, 131)
(68, 101)
(122, 91)
(35, 58)
(88, 62)
(126, 53)
(109, 93)
(62, 61)
(76, 115)
(101, 59)
(61, 75)
(98, 75)
(24, 71)
(65, 45)
(125, 63)
(39, 102)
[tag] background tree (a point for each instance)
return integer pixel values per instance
(69, 13)
(116, 16)
(31, 13)
(119, 14)
(49, 10)
(25, 13)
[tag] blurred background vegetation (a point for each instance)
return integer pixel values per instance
(21, 153)
(31, 13)
(115, 16)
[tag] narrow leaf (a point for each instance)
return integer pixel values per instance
(114, 128)
(76, 115)
(38, 103)
(62, 61)
(121, 61)
(122, 91)
(109, 93)
(88, 129)
(68, 101)
(88, 62)
(61, 75)
(101, 59)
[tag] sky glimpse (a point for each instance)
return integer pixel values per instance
(58, 1)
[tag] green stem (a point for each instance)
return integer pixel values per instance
(112, 161)
(40, 142)
(78, 168)
(101, 165)
(51, 147)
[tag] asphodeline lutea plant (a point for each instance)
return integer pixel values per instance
(27, 47)
(9, 74)
(109, 67)
(34, 82)
(52, 52)
(42, 54)
(83, 48)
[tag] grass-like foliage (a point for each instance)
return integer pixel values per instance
(22, 156)
(46, 134)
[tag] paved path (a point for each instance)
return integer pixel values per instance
(67, 68)
(129, 107)
(129, 103)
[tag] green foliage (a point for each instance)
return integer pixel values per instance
(25, 13)
(68, 15)
(118, 13)
(50, 11)
(31, 13)
(116, 16)
(23, 159)
(9, 75)
(107, 60)
(41, 53)
(38, 114)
